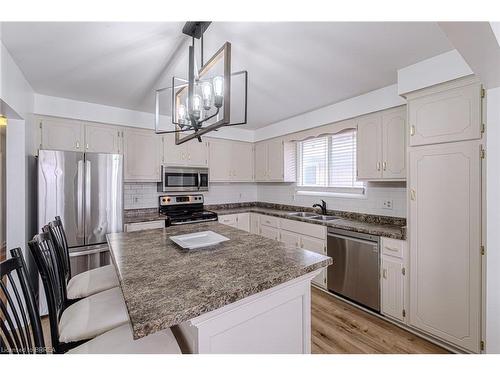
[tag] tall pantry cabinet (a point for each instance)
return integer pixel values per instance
(444, 186)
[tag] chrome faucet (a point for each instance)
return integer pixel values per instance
(322, 206)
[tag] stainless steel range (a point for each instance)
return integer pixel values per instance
(185, 209)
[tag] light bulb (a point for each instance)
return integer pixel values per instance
(196, 108)
(206, 92)
(181, 113)
(218, 83)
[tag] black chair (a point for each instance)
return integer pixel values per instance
(114, 336)
(44, 253)
(86, 283)
(59, 235)
(20, 323)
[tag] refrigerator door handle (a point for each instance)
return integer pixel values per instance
(79, 200)
(88, 200)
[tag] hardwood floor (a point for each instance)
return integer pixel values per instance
(339, 328)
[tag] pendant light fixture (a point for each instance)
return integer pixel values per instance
(202, 103)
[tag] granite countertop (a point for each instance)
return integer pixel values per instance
(164, 285)
(374, 228)
(140, 215)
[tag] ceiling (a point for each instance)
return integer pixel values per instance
(293, 67)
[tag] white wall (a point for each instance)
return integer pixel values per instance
(493, 222)
(73, 109)
(438, 69)
(145, 194)
(377, 100)
(15, 89)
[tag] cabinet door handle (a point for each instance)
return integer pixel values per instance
(384, 273)
(87, 146)
(77, 144)
(413, 195)
(378, 166)
(384, 165)
(412, 130)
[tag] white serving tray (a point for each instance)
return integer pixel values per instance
(198, 240)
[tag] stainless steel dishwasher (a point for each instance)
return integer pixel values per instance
(355, 272)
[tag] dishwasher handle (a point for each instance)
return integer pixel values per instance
(368, 242)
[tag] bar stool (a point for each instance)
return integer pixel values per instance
(72, 324)
(118, 340)
(86, 283)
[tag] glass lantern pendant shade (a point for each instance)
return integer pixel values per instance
(201, 103)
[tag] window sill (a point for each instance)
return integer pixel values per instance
(333, 194)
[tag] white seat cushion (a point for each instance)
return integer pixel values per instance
(91, 282)
(120, 341)
(93, 316)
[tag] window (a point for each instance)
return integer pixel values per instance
(329, 162)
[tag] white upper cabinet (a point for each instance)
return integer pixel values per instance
(173, 154)
(394, 144)
(242, 160)
(261, 161)
(275, 161)
(369, 147)
(142, 155)
(190, 153)
(445, 239)
(62, 134)
(446, 113)
(381, 145)
(103, 138)
(71, 135)
(230, 161)
(197, 153)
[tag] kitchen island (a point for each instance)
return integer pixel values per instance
(246, 295)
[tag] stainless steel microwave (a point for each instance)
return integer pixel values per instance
(183, 179)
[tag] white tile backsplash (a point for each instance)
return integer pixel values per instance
(145, 195)
(372, 203)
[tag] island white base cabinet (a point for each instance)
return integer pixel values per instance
(276, 321)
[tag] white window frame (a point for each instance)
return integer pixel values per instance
(328, 191)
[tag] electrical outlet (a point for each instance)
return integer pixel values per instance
(387, 204)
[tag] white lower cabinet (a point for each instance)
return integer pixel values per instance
(290, 238)
(239, 221)
(230, 220)
(306, 236)
(244, 221)
(134, 227)
(270, 232)
(316, 245)
(254, 223)
(394, 279)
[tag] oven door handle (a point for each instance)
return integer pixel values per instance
(199, 181)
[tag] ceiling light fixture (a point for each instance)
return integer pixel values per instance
(202, 103)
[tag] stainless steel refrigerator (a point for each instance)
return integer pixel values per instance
(86, 191)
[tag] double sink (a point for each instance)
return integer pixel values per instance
(312, 216)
